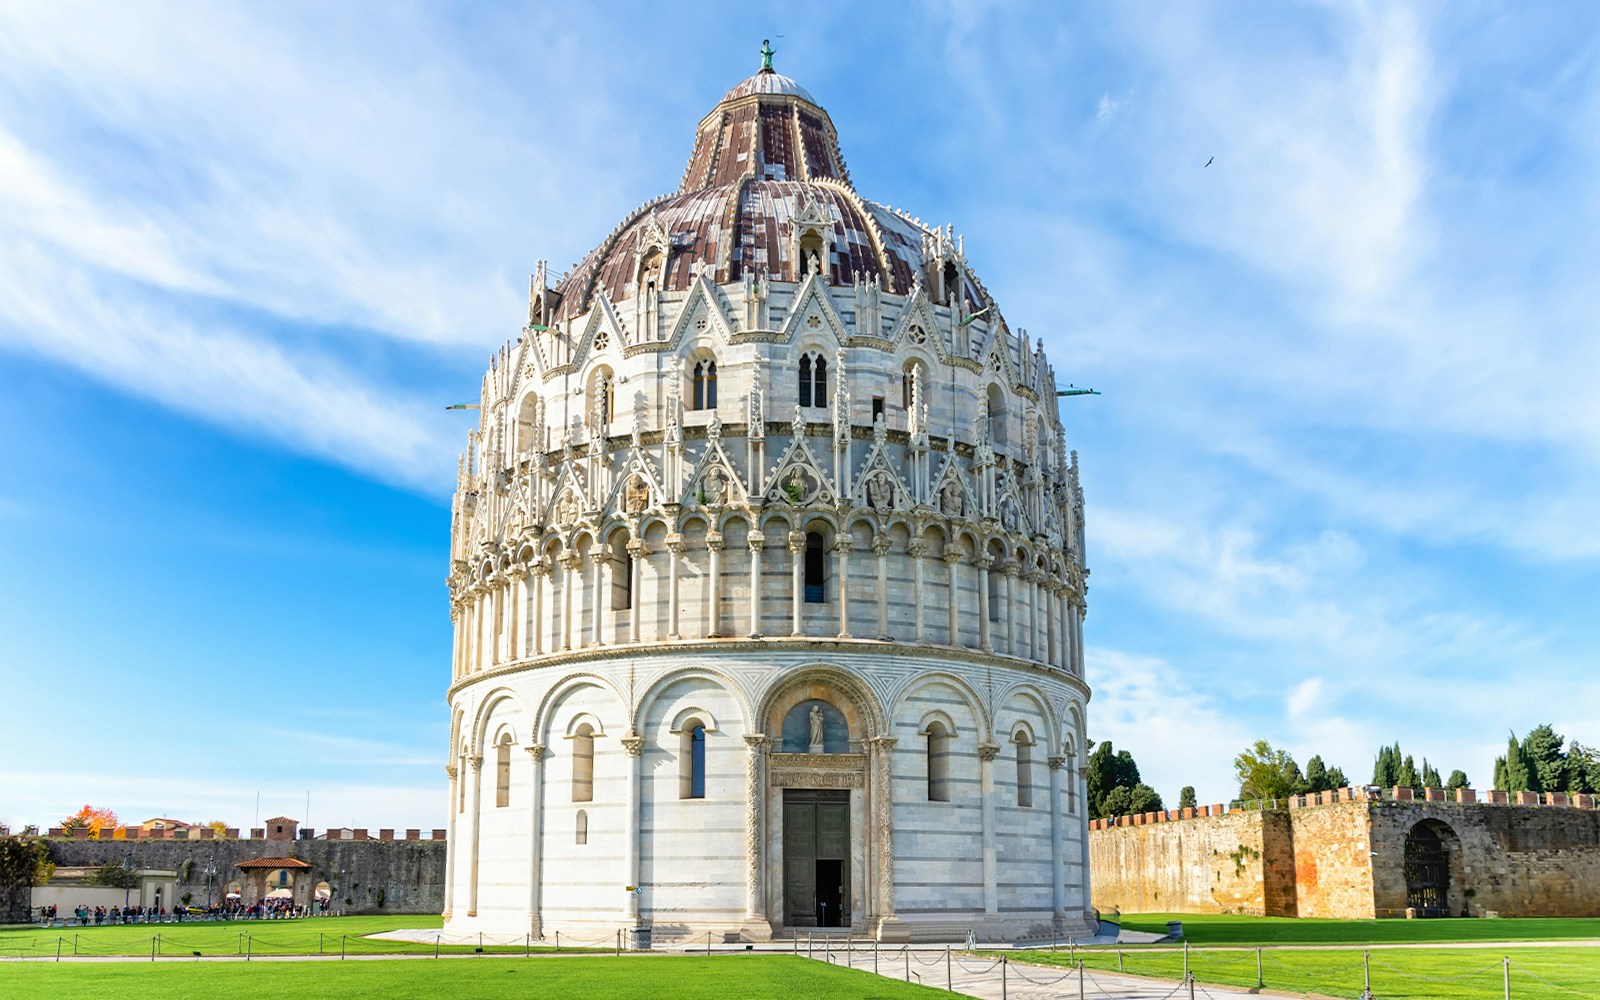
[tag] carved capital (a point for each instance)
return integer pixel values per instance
(536, 751)
(882, 744)
(633, 744)
(757, 742)
(714, 541)
(951, 557)
(844, 543)
(917, 550)
(1010, 568)
(881, 545)
(450, 770)
(1057, 762)
(797, 542)
(638, 549)
(982, 561)
(755, 540)
(599, 556)
(988, 751)
(572, 560)
(476, 761)
(675, 544)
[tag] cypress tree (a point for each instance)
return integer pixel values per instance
(1408, 777)
(1430, 775)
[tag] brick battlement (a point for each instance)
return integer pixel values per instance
(1361, 793)
(258, 833)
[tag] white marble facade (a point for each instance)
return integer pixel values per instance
(658, 572)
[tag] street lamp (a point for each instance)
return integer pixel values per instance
(127, 882)
(211, 875)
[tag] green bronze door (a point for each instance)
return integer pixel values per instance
(816, 858)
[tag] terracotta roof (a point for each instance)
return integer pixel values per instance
(283, 819)
(273, 863)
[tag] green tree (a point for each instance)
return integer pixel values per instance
(1541, 748)
(1186, 799)
(1142, 799)
(114, 876)
(1316, 775)
(1336, 779)
(1109, 769)
(1511, 772)
(1386, 770)
(24, 862)
(1584, 768)
(1266, 773)
(1458, 779)
(1430, 775)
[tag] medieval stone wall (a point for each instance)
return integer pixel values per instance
(409, 874)
(1343, 855)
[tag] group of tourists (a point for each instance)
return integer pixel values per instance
(233, 909)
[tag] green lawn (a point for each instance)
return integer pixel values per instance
(587, 977)
(1233, 929)
(259, 937)
(1397, 973)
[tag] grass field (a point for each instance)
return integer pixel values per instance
(1233, 929)
(323, 935)
(588, 977)
(1397, 974)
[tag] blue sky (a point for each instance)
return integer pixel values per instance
(1341, 483)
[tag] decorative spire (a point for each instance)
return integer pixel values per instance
(767, 52)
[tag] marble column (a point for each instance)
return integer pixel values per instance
(756, 541)
(597, 562)
(674, 550)
(541, 572)
(917, 551)
(637, 550)
(952, 559)
(477, 828)
(1052, 651)
(983, 564)
(571, 581)
(987, 752)
(714, 619)
(1058, 889)
(453, 863)
(536, 840)
(881, 758)
(633, 745)
(455, 637)
(880, 547)
(1009, 614)
(797, 551)
(842, 546)
(519, 576)
(756, 924)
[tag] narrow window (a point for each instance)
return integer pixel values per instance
(502, 772)
(1024, 772)
(997, 416)
(906, 391)
(692, 770)
(939, 740)
(699, 402)
(582, 833)
(621, 573)
(805, 380)
(819, 382)
(583, 764)
(815, 562)
(877, 408)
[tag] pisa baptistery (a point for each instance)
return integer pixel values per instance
(767, 578)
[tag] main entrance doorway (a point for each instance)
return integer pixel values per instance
(816, 858)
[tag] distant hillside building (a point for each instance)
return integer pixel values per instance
(768, 577)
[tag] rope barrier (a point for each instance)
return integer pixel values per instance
(1016, 968)
(1437, 979)
(1552, 985)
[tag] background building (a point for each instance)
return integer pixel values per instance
(767, 577)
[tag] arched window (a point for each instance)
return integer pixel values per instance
(621, 572)
(705, 385)
(816, 562)
(583, 764)
(940, 740)
(952, 285)
(581, 834)
(997, 416)
(692, 761)
(813, 380)
(1024, 770)
(502, 772)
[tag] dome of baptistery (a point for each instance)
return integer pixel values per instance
(767, 578)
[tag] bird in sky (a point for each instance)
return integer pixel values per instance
(1210, 162)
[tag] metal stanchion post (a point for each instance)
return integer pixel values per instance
(1191, 987)
(527, 945)
(1260, 983)
(874, 956)
(1507, 963)
(558, 942)
(1004, 967)
(949, 981)
(249, 946)
(1366, 975)
(152, 949)
(1080, 979)
(58, 948)
(436, 939)
(341, 947)
(907, 952)
(1186, 960)
(708, 944)
(1119, 959)
(619, 942)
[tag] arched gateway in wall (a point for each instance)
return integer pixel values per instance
(767, 578)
